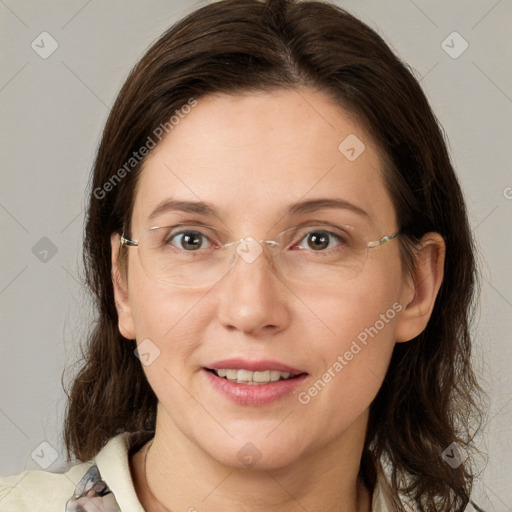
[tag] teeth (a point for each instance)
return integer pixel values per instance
(248, 377)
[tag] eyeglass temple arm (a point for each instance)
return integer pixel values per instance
(128, 242)
(383, 240)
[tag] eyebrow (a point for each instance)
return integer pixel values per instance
(301, 207)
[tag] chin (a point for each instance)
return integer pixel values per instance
(254, 452)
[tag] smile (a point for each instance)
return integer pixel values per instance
(253, 388)
(250, 377)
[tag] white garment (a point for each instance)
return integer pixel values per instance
(43, 491)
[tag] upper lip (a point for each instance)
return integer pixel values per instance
(254, 366)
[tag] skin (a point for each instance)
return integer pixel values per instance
(251, 155)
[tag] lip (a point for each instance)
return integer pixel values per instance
(254, 395)
(253, 366)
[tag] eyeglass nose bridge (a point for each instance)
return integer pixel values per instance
(249, 249)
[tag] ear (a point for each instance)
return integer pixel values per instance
(120, 282)
(420, 292)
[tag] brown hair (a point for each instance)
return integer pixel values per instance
(430, 397)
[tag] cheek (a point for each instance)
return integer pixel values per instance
(356, 306)
(362, 325)
(353, 359)
(168, 317)
(169, 321)
(345, 385)
(168, 326)
(158, 310)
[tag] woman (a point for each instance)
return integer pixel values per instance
(284, 275)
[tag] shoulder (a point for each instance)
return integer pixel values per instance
(104, 481)
(40, 490)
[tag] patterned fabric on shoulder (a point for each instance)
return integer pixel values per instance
(92, 494)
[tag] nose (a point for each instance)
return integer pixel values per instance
(253, 297)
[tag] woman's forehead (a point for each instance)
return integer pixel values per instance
(262, 152)
(281, 120)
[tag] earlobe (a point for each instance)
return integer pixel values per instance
(420, 291)
(121, 296)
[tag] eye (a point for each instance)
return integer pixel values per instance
(320, 240)
(189, 240)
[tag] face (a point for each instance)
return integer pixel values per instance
(250, 157)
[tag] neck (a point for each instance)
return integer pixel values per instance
(181, 476)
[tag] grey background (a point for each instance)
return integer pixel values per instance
(52, 112)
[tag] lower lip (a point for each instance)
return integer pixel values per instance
(254, 394)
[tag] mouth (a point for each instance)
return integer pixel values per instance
(254, 383)
(242, 376)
